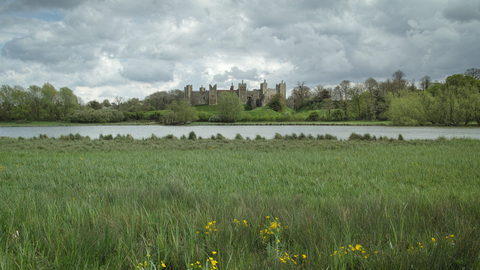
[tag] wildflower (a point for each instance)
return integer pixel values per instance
(214, 252)
(433, 239)
(163, 265)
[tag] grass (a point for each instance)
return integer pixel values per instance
(256, 204)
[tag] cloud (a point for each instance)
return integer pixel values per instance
(132, 49)
(463, 10)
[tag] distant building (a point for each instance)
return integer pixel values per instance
(255, 97)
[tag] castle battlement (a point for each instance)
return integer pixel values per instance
(257, 98)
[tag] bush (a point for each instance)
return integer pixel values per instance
(320, 137)
(170, 137)
(215, 118)
(310, 137)
(302, 136)
(337, 115)
(258, 138)
(192, 136)
(367, 137)
(294, 136)
(220, 137)
(238, 137)
(330, 137)
(204, 116)
(400, 137)
(355, 136)
(277, 136)
(183, 137)
(313, 116)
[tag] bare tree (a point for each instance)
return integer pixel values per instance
(371, 84)
(474, 72)
(398, 78)
(425, 82)
(301, 94)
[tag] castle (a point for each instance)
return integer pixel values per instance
(256, 97)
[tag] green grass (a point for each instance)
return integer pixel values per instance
(112, 204)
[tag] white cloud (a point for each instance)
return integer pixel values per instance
(134, 48)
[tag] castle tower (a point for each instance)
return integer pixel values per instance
(188, 92)
(202, 89)
(212, 95)
(263, 87)
(282, 89)
(242, 92)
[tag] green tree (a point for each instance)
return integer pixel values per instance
(230, 107)
(35, 98)
(50, 100)
(180, 112)
(21, 108)
(6, 102)
(407, 111)
(68, 102)
(277, 102)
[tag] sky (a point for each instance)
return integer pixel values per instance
(106, 48)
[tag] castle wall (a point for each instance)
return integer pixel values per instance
(199, 98)
(262, 96)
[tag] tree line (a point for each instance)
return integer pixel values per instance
(452, 102)
(456, 101)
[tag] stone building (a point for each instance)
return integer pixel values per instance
(256, 97)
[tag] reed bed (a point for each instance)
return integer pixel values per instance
(158, 203)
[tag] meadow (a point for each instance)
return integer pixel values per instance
(285, 203)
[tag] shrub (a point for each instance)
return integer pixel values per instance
(355, 136)
(400, 137)
(153, 137)
(313, 116)
(310, 137)
(330, 137)
(320, 137)
(258, 138)
(367, 137)
(238, 137)
(204, 116)
(294, 136)
(277, 136)
(212, 137)
(183, 137)
(215, 118)
(338, 115)
(192, 136)
(170, 137)
(220, 137)
(302, 136)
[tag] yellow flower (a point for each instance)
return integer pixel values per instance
(304, 256)
(433, 239)
(163, 265)
(214, 252)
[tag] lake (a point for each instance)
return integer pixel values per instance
(342, 132)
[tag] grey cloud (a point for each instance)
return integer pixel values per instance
(32, 5)
(463, 10)
(146, 70)
(238, 74)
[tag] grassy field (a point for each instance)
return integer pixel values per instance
(238, 204)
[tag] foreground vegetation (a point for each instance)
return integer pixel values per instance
(119, 203)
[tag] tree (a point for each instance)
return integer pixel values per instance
(301, 93)
(277, 102)
(230, 107)
(6, 101)
(180, 112)
(35, 93)
(95, 105)
(50, 101)
(68, 101)
(399, 81)
(327, 106)
(425, 82)
(106, 103)
(474, 72)
(371, 85)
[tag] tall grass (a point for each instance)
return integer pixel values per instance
(258, 204)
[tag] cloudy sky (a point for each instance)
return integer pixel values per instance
(105, 48)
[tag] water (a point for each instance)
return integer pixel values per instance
(342, 132)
